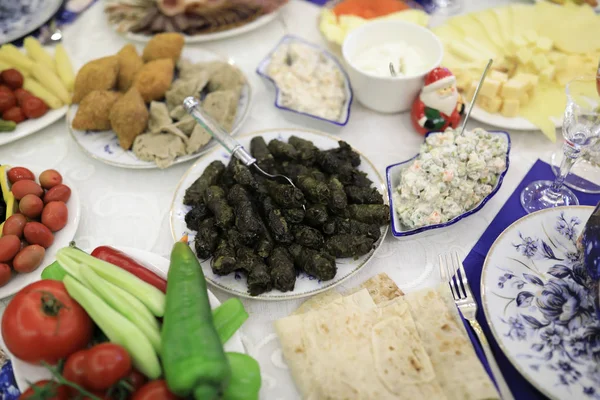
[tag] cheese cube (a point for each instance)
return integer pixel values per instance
(513, 89)
(499, 76)
(524, 99)
(530, 36)
(524, 55)
(471, 90)
(517, 42)
(510, 108)
(491, 105)
(559, 60)
(540, 61)
(547, 74)
(531, 81)
(490, 87)
(543, 44)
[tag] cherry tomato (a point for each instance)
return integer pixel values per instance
(7, 101)
(37, 233)
(9, 247)
(105, 365)
(136, 379)
(50, 178)
(16, 174)
(43, 323)
(5, 274)
(155, 390)
(14, 114)
(25, 187)
(74, 369)
(31, 206)
(21, 94)
(14, 225)
(4, 88)
(51, 391)
(12, 78)
(34, 107)
(29, 258)
(58, 193)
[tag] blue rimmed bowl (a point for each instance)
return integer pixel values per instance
(262, 71)
(393, 176)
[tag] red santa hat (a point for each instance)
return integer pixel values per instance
(438, 78)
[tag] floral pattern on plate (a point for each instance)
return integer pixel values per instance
(536, 300)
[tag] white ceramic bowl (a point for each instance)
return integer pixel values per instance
(389, 94)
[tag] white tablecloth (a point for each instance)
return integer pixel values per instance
(131, 207)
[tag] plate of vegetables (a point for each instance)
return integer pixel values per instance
(119, 331)
(39, 214)
(261, 239)
(34, 88)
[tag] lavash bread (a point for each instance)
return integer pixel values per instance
(353, 349)
(457, 367)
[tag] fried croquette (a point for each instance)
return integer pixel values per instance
(164, 45)
(100, 74)
(130, 63)
(94, 109)
(154, 79)
(129, 117)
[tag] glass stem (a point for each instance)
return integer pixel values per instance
(570, 155)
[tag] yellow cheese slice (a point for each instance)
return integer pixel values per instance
(548, 100)
(471, 28)
(521, 17)
(9, 199)
(490, 26)
(504, 19)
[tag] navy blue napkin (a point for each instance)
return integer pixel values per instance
(509, 213)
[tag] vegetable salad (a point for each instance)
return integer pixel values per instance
(451, 175)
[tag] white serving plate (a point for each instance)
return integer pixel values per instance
(537, 305)
(236, 283)
(262, 71)
(394, 176)
(208, 37)
(506, 123)
(25, 372)
(104, 145)
(40, 13)
(62, 239)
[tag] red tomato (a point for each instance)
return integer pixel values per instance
(34, 107)
(43, 323)
(7, 101)
(12, 78)
(136, 379)
(51, 391)
(155, 390)
(14, 114)
(21, 94)
(105, 365)
(74, 369)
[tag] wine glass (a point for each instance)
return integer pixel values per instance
(581, 129)
(585, 175)
(447, 7)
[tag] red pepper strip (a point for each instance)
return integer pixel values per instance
(123, 261)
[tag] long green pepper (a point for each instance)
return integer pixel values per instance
(193, 358)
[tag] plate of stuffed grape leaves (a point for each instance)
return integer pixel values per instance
(258, 238)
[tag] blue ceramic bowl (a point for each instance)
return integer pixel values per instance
(394, 175)
(262, 71)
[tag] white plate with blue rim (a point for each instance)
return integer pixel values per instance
(305, 285)
(18, 18)
(104, 145)
(534, 291)
(262, 71)
(394, 176)
(26, 373)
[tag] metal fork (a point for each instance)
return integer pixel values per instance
(453, 272)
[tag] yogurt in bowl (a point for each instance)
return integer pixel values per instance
(452, 177)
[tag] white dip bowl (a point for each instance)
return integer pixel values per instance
(389, 94)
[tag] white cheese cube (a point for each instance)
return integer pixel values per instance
(510, 108)
(531, 81)
(471, 90)
(559, 60)
(513, 89)
(540, 61)
(491, 105)
(544, 44)
(547, 74)
(499, 76)
(530, 36)
(490, 87)
(524, 55)
(517, 42)
(524, 99)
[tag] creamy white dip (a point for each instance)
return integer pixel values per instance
(407, 60)
(309, 81)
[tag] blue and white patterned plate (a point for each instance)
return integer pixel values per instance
(534, 291)
(20, 17)
(236, 283)
(104, 145)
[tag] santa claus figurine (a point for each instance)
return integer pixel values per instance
(439, 106)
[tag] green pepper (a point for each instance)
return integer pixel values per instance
(54, 272)
(245, 378)
(193, 358)
(228, 318)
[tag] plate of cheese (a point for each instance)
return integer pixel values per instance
(537, 49)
